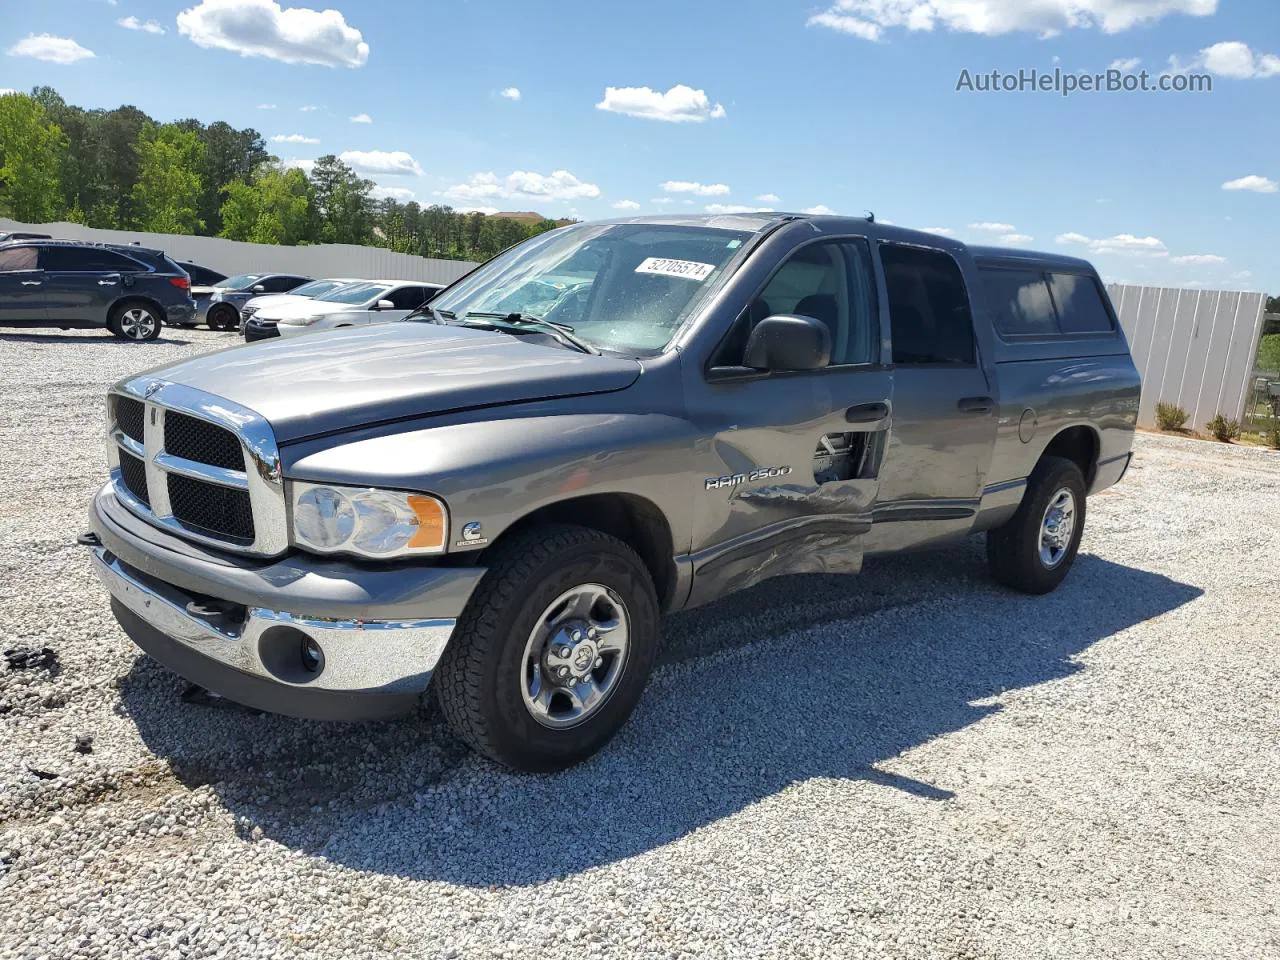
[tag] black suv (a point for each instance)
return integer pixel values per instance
(69, 284)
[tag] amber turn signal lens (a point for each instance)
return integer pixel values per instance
(431, 522)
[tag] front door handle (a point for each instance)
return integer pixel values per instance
(867, 412)
(32, 283)
(107, 283)
(976, 405)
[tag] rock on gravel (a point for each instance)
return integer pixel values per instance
(911, 763)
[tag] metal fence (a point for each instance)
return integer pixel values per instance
(233, 256)
(1195, 348)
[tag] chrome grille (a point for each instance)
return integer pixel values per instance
(198, 465)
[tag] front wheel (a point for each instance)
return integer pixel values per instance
(1034, 551)
(553, 651)
(134, 321)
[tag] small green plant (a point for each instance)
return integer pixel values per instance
(1273, 437)
(1223, 429)
(1170, 416)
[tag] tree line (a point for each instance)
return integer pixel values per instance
(120, 169)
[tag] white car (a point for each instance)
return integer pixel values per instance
(308, 291)
(375, 301)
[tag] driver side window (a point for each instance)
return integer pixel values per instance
(830, 281)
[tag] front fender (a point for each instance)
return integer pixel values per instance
(493, 472)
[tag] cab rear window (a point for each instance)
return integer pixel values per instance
(1039, 304)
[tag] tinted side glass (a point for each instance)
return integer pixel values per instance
(928, 307)
(63, 258)
(1020, 302)
(409, 298)
(1079, 301)
(17, 258)
(86, 260)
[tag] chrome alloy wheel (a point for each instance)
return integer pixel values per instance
(137, 323)
(1056, 528)
(575, 656)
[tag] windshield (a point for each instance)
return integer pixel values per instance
(355, 293)
(241, 281)
(620, 287)
(317, 288)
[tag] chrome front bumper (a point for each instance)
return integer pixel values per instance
(254, 656)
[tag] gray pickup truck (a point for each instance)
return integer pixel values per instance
(606, 423)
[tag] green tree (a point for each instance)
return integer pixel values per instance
(32, 152)
(343, 201)
(229, 155)
(275, 208)
(166, 195)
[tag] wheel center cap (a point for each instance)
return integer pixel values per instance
(568, 660)
(584, 655)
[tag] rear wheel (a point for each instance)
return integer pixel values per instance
(222, 317)
(135, 321)
(553, 651)
(1034, 551)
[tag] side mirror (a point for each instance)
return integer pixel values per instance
(384, 305)
(259, 288)
(786, 342)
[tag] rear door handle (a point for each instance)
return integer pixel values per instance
(32, 283)
(867, 413)
(976, 405)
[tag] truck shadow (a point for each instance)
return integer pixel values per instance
(800, 678)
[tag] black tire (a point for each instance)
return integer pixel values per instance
(1014, 550)
(135, 321)
(480, 679)
(222, 317)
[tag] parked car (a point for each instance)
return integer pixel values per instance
(377, 301)
(20, 235)
(201, 276)
(222, 310)
(308, 291)
(69, 284)
(509, 503)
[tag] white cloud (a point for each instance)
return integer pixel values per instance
(381, 161)
(293, 138)
(510, 93)
(262, 28)
(821, 210)
(662, 201)
(1231, 59)
(266, 106)
(769, 198)
(735, 208)
(1198, 259)
(990, 227)
(1124, 244)
(523, 185)
(680, 104)
(305, 166)
(944, 231)
(698, 189)
(403, 194)
(146, 26)
(45, 46)
(1255, 183)
(308, 109)
(1242, 275)
(626, 205)
(1015, 239)
(1126, 65)
(487, 211)
(361, 118)
(870, 19)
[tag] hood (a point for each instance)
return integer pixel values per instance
(355, 377)
(305, 307)
(276, 300)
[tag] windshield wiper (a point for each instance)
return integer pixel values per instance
(560, 331)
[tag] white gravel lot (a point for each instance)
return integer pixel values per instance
(911, 763)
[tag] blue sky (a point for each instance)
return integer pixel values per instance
(846, 105)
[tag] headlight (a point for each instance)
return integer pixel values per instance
(367, 522)
(303, 321)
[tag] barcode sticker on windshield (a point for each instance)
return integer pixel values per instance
(689, 269)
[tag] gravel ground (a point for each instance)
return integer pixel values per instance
(911, 763)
